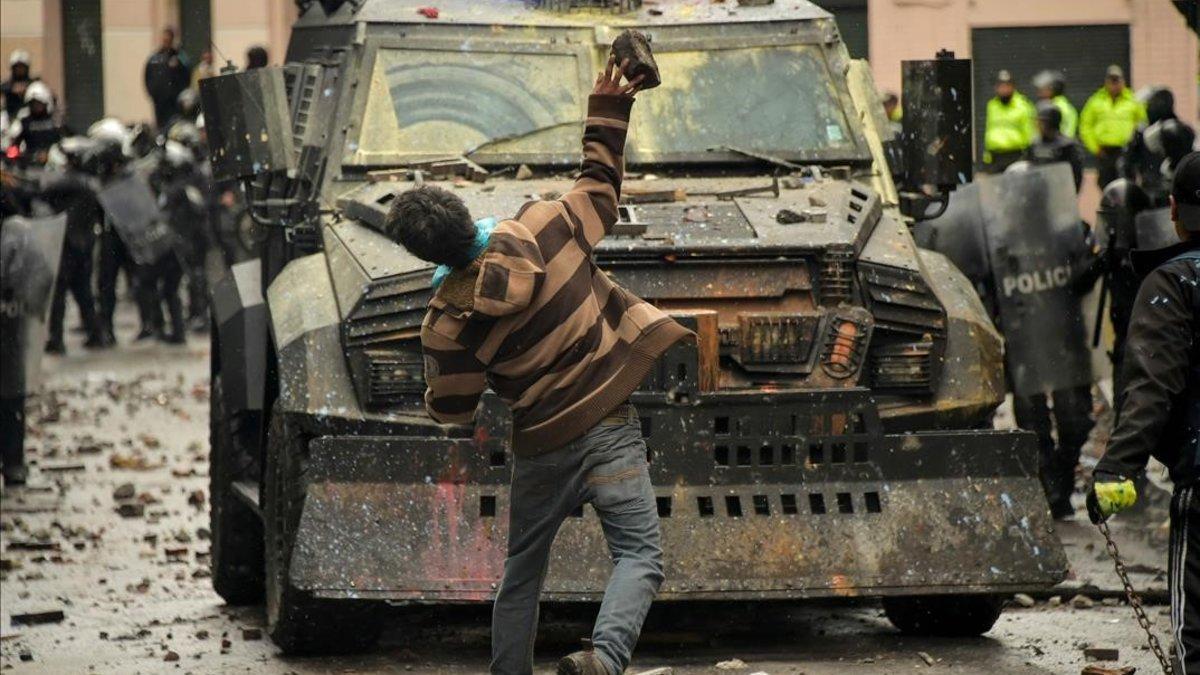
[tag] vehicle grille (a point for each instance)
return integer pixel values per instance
(387, 377)
(835, 276)
(903, 366)
(902, 302)
(775, 338)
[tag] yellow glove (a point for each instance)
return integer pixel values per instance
(1109, 497)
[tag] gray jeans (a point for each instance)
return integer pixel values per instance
(606, 467)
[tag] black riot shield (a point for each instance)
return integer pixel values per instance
(1155, 229)
(30, 251)
(129, 203)
(1034, 238)
(958, 235)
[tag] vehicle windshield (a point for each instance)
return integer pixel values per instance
(506, 107)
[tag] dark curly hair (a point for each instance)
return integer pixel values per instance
(433, 225)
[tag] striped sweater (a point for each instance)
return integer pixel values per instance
(537, 321)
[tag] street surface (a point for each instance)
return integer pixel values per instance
(113, 534)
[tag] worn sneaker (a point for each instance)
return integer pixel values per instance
(582, 663)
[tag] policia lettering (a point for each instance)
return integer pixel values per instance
(1037, 281)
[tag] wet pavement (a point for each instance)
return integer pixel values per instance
(113, 534)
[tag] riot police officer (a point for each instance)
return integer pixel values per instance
(66, 188)
(1054, 146)
(35, 129)
(1150, 158)
(108, 162)
(184, 208)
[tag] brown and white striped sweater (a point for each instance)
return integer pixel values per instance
(535, 319)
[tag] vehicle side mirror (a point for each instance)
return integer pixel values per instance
(246, 119)
(936, 137)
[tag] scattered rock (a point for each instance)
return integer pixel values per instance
(250, 634)
(524, 172)
(196, 498)
(1082, 602)
(929, 661)
(131, 509)
(1101, 670)
(788, 217)
(1101, 653)
(36, 618)
(732, 664)
(171, 656)
(1024, 600)
(1055, 601)
(124, 491)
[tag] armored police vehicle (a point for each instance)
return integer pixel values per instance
(823, 438)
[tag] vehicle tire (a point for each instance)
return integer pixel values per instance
(944, 615)
(237, 540)
(298, 623)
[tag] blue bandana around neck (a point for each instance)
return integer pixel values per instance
(483, 233)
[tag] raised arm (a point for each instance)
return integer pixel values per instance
(593, 199)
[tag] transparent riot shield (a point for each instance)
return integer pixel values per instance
(958, 235)
(130, 205)
(32, 249)
(1155, 229)
(1034, 239)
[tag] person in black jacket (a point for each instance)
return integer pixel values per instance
(1156, 148)
(14, 87)
(1052, 145)
(66, 188)
(1160, 409)
(167, 74)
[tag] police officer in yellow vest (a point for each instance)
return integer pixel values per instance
(1049, 85)
(1108, 121)
(1010, 127)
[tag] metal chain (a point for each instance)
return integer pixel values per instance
(1135, 600)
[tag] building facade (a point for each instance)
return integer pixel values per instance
(92, 52)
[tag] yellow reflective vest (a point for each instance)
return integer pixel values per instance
(1108, 122)
(1070, 116)
(1010, 127)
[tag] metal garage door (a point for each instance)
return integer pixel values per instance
(83, 63)
(852, 24)
(1080, 52)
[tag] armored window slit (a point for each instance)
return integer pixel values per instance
(721, 426)
(578, 512)
(743, 455)
(857, 425)
(845, 502)
(788, 502)
(733, 506)
(787, 454)
(721, 455)
(816, 504)
(862, 452)
(487, 506)
(795, 425)
(497, 458)
(762, 506)
(873, 503)
(664, 506)
(705, 506)
(837, 454)
(766, 455)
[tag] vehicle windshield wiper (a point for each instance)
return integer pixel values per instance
(769, 159)
(524, 134)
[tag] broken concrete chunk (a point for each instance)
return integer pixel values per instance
(635, 46)
(1082, 602)
(131, 509)
(524, 172)
(1101, 653)
(124, 491)
(732, 664)
(1024, 600)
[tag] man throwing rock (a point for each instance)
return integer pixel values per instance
(521, 307)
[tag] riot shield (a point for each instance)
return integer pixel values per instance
(1034, 238)
(958, 235)
(130, 205)
(31, 249)
(1155, 229)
